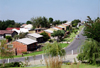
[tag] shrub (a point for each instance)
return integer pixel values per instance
(13, 64)
(68, 63)
(50, 40)
(25, 52)
(9, 38)
(45, 36)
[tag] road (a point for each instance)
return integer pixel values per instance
(73, 46)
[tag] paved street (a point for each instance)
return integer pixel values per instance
(73, 46)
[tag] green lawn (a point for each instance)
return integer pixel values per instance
(64, 45)
(68, 66)
(30, 54)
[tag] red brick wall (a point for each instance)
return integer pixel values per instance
(20, 47)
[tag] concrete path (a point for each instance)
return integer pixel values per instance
(68, 58)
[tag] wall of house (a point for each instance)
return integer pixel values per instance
(19, 47)
(40, 39)
(31, 47)
(49, 34)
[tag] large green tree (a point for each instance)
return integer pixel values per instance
(75, 22)
(90, 51)
(28, 22)
(54, 49)
(59, 34)
(5, 52)
(92, 29)
(40, 22)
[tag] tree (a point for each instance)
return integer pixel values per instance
(54, 49)
(59, 34)
(22, 35)
(5, 52)
(92, 29)
(50, 20)
(90, 51)
(40, 22)
(45, 36)
(28, 22)
(75, 22)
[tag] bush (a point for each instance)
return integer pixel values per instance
(13, 64)
(9, 38)
(24, 52)
(68, 63)
(45, 36)
(50, 40)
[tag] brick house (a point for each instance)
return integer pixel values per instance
(24, 45)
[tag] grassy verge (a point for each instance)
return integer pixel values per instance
(68, 66)
(72, 35)
(64, 45)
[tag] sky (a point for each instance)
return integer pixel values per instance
(24, 10)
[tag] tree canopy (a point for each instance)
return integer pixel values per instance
(90, 51)
(75, 22)
(59, 34)
(54, 49)
(8, 23)
(92, 29)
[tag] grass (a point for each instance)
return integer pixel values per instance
(30, 54)
(67, 66)
(64, 45)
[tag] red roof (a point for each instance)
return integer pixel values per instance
(12, 28)
(6, 32)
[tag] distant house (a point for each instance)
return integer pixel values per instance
(49, 32)
(60, 28)
(24, 45)
(4, 33)
(27, 26)
(35, 36)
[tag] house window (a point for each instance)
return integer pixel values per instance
(10, 46)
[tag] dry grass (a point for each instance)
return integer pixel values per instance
(53, 62)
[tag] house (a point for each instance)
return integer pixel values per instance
(39, 29)
(60, 28)
(56, 28)
(35, 36)
(24, 45)
(4, 33)
(27, 26)
(63, 26)
(49, 32)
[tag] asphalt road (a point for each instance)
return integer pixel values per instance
(73, 46)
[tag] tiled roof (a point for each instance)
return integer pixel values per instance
(12, 28)
(5, 32)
